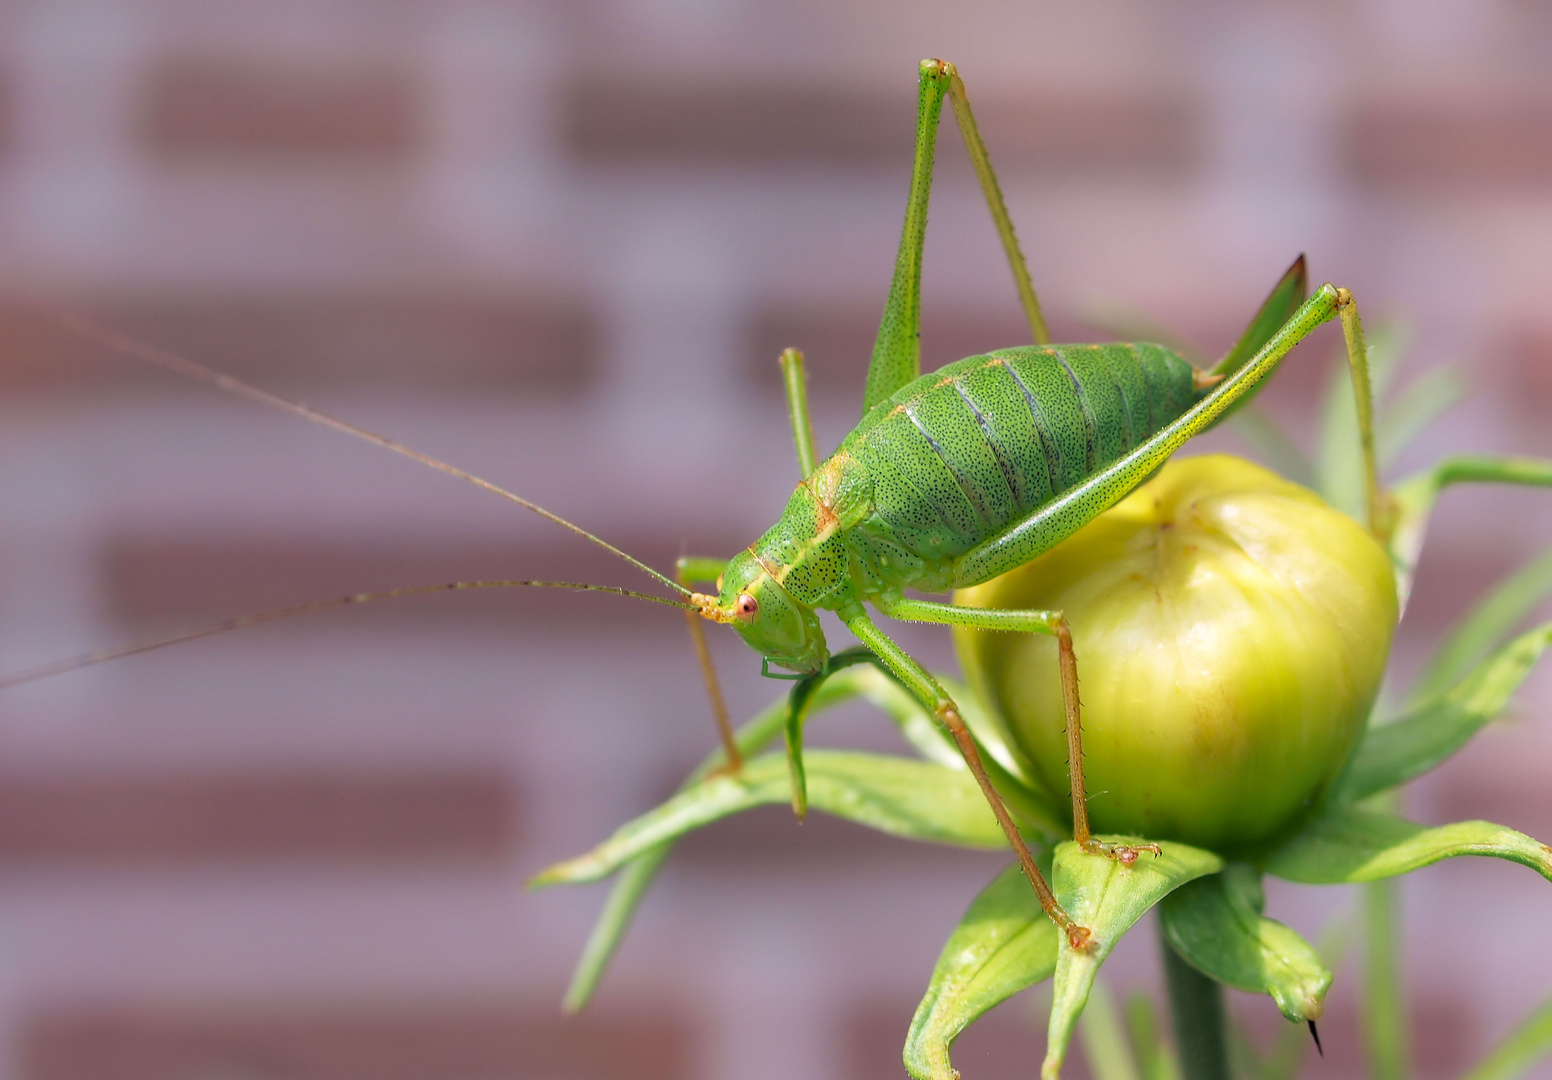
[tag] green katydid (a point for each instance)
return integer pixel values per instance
(949, 480)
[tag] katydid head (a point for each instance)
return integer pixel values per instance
(767, 617)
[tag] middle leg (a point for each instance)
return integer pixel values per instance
(1040, 622)
(919, 681)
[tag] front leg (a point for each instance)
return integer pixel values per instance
(919, 681)
(1040, 622)
(690, 570)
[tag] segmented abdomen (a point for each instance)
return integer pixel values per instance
(958, 455)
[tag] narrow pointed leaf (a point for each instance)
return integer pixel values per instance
(1293, 1044)
(1423, 401)
(630, 888)
(1524, 1046)
(1346, 844)
(1508, 604)
(1394, 753)
(1215, 924)
(1105, 1044)
(1009, 770)
(1108, 898)
(1415, 496)
(639, 873)
(1278, 307)
(1003, 944)
(894, 795)
(1155, 1057)
(926, 736)
(1387, 1037)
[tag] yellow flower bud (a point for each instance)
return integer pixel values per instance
(1231, 631)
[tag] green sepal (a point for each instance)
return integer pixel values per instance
(1003, 944)
(1346, 844)
(1215, 924)
(1107, 898)
(1394, 753)
(895, 795)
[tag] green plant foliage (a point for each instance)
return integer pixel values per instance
(1002, 945)
(1108, 898)
(1211, 914)
(1496, 615)
(894, 795)
(1104, 1039)
(1426, 736)
(1525, 1045)
(1215, 924)
(1346, 845)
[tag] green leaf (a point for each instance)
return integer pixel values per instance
(1155, 1057)
(1293, 1043)
(926, 736)
(1386, 1036)
(1003, 944)
(894, 795)
(1415, 496)
(799, 703)
(626, 896)
(1107, 898)
(1524, 1046)
(1423, 401)
(1278, 307)
(1394, 753)
(1509, 603)
(1215, 924)
(638, 875)
(1346, 844)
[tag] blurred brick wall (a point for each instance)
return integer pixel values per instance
(560, 245)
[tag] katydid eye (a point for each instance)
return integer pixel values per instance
(748, 607)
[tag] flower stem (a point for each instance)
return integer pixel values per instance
(1196, 1005)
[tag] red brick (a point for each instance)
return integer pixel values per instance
(314, 815)
(345, 1041)
(615, 121)
(1450, 143)
(158, 583)
(250, 107)
(447, 341)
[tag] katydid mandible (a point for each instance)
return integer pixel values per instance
(949, 480)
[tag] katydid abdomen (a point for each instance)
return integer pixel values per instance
(955, 457)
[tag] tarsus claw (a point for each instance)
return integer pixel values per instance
(1125, 854)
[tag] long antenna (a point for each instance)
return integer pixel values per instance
(59, 667)
(123, 343)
